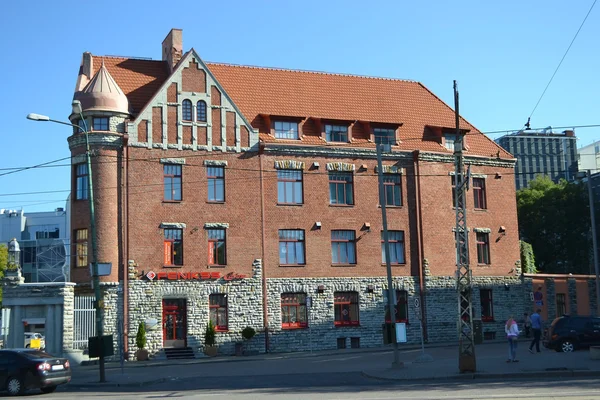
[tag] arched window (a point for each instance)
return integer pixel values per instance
(186, 110)
(201, 110)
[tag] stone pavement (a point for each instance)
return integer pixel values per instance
(371, 363)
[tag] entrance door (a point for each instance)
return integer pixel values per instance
(174, 323)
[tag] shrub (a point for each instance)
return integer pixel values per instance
(140, 339)
(209, 335)
(248, 333)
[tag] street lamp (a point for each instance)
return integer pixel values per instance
(14, 251)
(96, 282)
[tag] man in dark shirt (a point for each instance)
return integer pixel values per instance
(536, 325)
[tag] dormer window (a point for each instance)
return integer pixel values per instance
(336, 133)
(100, 123)
(201, 111)
(286, 130)
(384, 136)
(186, 110)
(449, 140)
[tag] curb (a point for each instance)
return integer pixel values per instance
(109, 384)
(569, 373)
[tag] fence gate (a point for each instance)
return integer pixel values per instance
(84, 317)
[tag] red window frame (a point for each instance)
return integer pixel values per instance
(345, 305)
(479, 195)
(279, 127)
(291, 177)
(401, 304)
(172, 179)
(483, 248)
(396, 240)
(187, 113)
(173, 242)
(391, 182)
(218, 302)
(344, 179)
(294, 304)
(291, 237)
(339, 237)
(215, 177)
(487, 305)
(80, 244)
(215, 238)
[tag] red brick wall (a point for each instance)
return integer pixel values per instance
(202, 140)
(215, 96)
(230, 118)
(193, 79)
(143, 131)
(157, 125)
(172, 93)
(172, 124)
(244, 136)
(216, 127)
(187, 135)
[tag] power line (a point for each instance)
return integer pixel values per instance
(34, 166)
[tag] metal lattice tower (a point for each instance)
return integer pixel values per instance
(466, 358)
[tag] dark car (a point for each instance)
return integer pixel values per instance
(570, 333)
(24, 369)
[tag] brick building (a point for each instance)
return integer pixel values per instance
(249, 196)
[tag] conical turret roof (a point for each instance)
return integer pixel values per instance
(103, 94)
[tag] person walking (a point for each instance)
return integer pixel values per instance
(536, 325)
(527, 324)
(512, 332)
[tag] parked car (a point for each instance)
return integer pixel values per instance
(25, 369)
(34, 335)
(567, 333)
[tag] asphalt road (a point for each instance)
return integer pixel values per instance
(339, 386)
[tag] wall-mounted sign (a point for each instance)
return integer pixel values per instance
(232, 276)
(191, 276)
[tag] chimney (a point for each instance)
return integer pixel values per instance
(172, 48)
(569, 132)
(87, 65)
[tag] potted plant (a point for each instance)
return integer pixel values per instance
(140, 340)
(210, 340)
(248, 333)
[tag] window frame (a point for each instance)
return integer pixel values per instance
(187, 110)
(285, 177)
(216, 236)
(479, 194)
(81, 245)
(561, 305)
(486, 301)
(289, 240)
(395, 242)
(336, 244)
(216, 303)
(335, 179)
(282, 133)
(335, 131)
(102, 122)
(214, 180)
(172, 241)
(82, 184)
(296, 301)
(453, 137)
(174, 173)
(390, 136)
(349, 299)
(201, 111)
(483, 248)
(390, 186)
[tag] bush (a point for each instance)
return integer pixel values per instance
(248, 333)
(210, 334)
(140, 338)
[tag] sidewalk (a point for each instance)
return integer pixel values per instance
(374, 363)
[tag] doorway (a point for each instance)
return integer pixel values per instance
(174, 323)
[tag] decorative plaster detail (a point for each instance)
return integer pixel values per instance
(340, 167)
(482, 230)
(484, 176)
(78, 159)
(96, 139)
(216, 225)
(289, 164)
(332, 152)
(454, 229)
(172, 161)
(478, 161)
(215, 163)
(172, 225)
(390, 169)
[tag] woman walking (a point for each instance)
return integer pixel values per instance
(512, 332)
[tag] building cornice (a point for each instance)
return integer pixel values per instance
(96, 139)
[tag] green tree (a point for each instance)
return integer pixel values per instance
(140, 338)
(554, 218)
(3, 262)
(527, 258)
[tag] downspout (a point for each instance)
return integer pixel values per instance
(126, 258)
(420, 251)
(263, 274)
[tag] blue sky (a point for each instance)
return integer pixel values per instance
(501, 53)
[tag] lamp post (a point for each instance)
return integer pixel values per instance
(95, 279)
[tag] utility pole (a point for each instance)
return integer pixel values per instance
(466, 357)
(397, 363)
(594, 243)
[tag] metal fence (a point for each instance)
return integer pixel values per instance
(84, 317)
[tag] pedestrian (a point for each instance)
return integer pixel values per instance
(512, 332)
(527, 324)
(536, 325)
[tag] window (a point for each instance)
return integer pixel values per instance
(449, 140)
(186, 110)
(487, 307)
(341, 188)
(82, 124)
(483, 248)
(453, 183)
(216, 183)
(289, 187)
(291, 247)
(561, 304)
(216, 247)
(391, 186)
(81, 182)
(29, 254)
(293, 310)
(336, 133)
(285, 129)
(343, 247)
(81, 247)
(396, 242)
(479, 193)
(384, 136)
(201, 111)
(100, 124)
(172, 182)
(345, 306)
(400, 309)
(218, 311)
(173, 247)
(47, 233)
